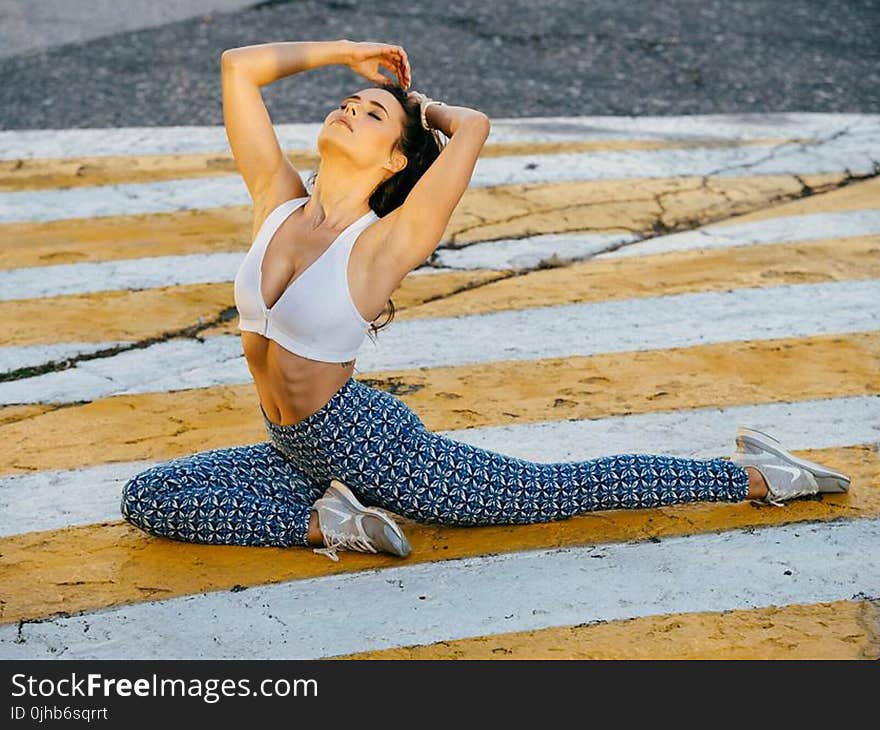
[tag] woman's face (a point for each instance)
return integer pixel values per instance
(366, 124)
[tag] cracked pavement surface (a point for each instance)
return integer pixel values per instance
(516, 59)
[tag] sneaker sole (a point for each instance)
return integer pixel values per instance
(345, 493)
(828, 480)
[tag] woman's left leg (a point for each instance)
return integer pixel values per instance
(241, 495)
(374, 443)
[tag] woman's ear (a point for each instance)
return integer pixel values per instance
(397, 162)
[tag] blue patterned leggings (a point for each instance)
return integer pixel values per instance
(369, 439)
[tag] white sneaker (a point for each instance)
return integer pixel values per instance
(750, 440)
(346, 523)
(787, 476)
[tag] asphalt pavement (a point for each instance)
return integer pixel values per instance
(509, 59)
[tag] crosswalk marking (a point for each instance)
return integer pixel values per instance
(565, 330)
(509, 253)
(429, 602)
(176, 140)
(596, 207)
(493, 394)
(658, 281)
(851, 151)
(68, 172)
(48, 499)
(66, 324)
(831, 630)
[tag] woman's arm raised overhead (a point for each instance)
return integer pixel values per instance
(266, 170)
(418, 224)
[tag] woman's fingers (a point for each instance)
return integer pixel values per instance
(392, 58)
(396, 65)
(401, 74)
(402, 63)
(406, 67)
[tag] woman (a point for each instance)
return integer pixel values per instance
(342, 457)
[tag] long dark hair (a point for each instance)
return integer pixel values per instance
(421, 148)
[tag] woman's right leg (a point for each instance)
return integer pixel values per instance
(377, 446)
(243, 495)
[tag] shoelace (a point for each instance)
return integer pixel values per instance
(768, 500)
(346, 541)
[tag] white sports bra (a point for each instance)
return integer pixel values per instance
(315, 316)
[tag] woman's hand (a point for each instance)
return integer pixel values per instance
(365, 58)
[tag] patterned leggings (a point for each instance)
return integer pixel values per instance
(369, 439)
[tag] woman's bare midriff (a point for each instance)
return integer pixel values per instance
(290, 387)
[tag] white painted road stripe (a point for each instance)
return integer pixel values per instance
(680, 320)
(857, 151)
(476, 596)
(786, 229)
(51, 500)
(144, 273)
(34, 282)
(66, 143)
(55, 499)
(23, 356)
(528, 252)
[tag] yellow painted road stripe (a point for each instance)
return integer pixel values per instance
(165, 425)
(863, 195)
(834, 630)
(11, 414)
(603, 280)
(69, 172)
(110, 238)
(97, 566)
(118, 315)
(597, 206)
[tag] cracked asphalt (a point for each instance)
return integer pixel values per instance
(512, 59)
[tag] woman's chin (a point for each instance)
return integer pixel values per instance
(330, 140)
